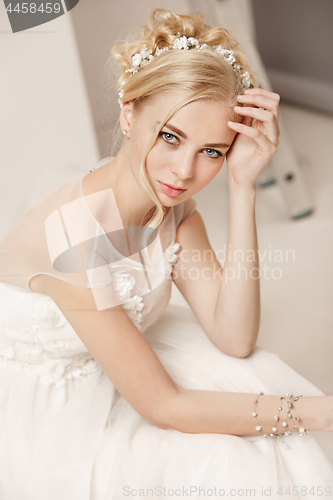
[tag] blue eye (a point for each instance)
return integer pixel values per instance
(168, 137)
(210, 153)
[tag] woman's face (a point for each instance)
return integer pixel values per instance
(190, 149)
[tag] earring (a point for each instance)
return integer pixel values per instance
(124, 132)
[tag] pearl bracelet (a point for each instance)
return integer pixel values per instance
(274, 434)
(255, 414)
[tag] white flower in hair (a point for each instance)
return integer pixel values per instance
(193, 42)
(183, 43)
(237, 69)
(136, 59)
(246, 79)
(139, 59)
(180, 43)
(146, 54)
(226, 53)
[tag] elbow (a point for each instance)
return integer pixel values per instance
(165, 415)
(157, 418)
(235, 345)
(245, 352)
(239, 352)
(161, 418)
(162, 424)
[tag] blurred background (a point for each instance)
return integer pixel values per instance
(59, 106)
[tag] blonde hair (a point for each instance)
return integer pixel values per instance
(203, 74)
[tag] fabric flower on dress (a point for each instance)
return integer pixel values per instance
(171, 256)
(59, 371)
(33, 349)
(46, 311)
(6, 351)
(46, 315)
(58, 345)
(123, 283)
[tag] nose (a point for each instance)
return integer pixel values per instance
(183, 168)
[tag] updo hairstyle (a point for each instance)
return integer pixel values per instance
(203, 74)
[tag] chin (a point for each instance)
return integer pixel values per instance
(168, 201)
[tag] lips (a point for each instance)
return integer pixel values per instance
(171, 191)
(174, 187)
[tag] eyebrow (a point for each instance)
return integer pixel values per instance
(182, 134)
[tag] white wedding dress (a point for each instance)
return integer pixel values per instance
(67, 433)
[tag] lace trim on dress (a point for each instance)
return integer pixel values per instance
(46, 314)
(56, 371)
(123, 283)
(171, 256)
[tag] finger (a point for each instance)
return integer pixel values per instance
(247, 120)
(253, 133)
(267, 93)
(260, 101)
(267, 117)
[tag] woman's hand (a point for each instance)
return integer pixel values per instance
(254, 145)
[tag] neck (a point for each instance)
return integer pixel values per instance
(133, 202)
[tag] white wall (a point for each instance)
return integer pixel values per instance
(45, 117)
(98, 26)
(295, 40)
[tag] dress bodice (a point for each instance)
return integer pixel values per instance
(35, 335)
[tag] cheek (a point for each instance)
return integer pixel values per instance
(206, 175)
(155, 161)
(137, 147)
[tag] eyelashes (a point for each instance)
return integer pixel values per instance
(168, 134)
(164, 134)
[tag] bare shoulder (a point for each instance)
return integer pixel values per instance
(92, 182)
(97, 179)
(62, 292)
(193, 226)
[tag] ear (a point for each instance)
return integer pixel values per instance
(126, 116)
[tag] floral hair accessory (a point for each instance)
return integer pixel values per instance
(183, 43)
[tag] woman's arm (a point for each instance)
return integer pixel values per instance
(227, 306)
(227, 302)
(135, 370)
(231, 413)
(237, 309)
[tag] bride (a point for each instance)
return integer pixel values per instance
(105, 391)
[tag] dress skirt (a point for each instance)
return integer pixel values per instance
(69, 434)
